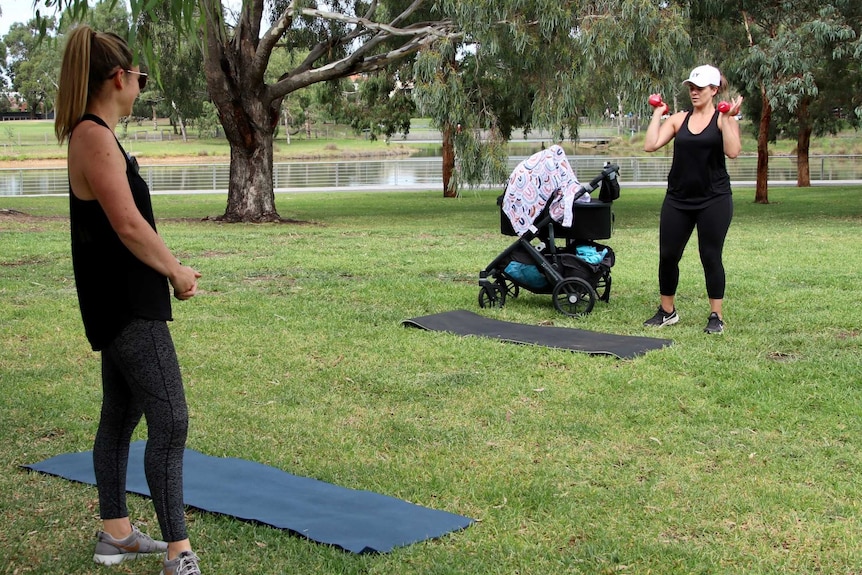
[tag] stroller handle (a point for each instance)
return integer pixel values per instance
(610, 172)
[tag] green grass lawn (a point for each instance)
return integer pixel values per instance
(24, 140)
(724, 454)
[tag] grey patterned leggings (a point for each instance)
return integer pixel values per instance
(141, 376)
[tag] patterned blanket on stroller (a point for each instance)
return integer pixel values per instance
(544, 176)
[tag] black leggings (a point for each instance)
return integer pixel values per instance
(675, 228)
(141, 376)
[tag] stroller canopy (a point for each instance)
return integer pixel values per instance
(544, 177)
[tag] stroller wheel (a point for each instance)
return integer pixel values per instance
(574, 297)
(491, 295)
(511, 288)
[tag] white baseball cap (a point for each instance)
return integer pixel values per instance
(703, 76)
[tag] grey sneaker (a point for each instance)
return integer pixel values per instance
(186, 563)
(109, 551)
(662, 318)
(714, 324)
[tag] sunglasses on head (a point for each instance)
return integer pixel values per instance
(142, 77)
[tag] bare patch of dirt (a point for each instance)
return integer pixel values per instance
(34, 163)
(781, 357)
(10, 215)
(267, 219)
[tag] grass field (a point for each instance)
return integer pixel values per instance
(724, 454)
(29, 140)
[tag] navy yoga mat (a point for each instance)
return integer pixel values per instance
(462, 322)
(356, 521)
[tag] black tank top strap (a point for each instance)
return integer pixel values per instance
(94, 118)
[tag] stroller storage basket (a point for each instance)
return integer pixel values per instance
(573, 266)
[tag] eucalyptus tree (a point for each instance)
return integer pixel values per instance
(341, 38)
(300, 110)
(559, 51)
(792, 55)
(381, 104)
(784, 60)
(108, 15)
(33, 64)
(34, 58)
(3, 80)
(542, 64)
(817, 72)
(179, 83)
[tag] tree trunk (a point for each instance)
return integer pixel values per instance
(450, 183)
(803, 146)
(286, 118)
(180, 121)
(249, 118)
(251, 197)
(761, 194)
(449, 188)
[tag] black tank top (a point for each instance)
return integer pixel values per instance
(114, 287)
(698, 174)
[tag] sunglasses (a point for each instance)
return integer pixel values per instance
(142, 77)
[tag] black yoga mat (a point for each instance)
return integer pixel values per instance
(462, 322)
(356, 521)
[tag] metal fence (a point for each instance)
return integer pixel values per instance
(418, 174)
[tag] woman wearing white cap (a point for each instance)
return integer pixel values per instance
(698, 190)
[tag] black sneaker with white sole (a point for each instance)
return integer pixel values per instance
(662, 318)
(714, 324)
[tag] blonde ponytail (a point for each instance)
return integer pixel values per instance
(88, 61)
(74, 73)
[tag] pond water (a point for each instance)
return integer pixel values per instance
(414, 173)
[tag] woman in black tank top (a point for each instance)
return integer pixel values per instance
(698, 191)
(123, 275)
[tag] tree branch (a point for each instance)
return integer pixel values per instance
(251, 16)
(277, 30)
(417, 36)
(353, 64)
(407, 12)
(371, 25)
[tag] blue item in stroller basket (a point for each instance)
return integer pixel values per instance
(590, 254)
(576, 274)
(526, 275)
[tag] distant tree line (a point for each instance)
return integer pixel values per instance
(478, 69)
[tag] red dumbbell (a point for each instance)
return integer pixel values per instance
(723, 107)
(655, 101)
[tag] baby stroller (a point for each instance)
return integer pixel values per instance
(544, 201)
